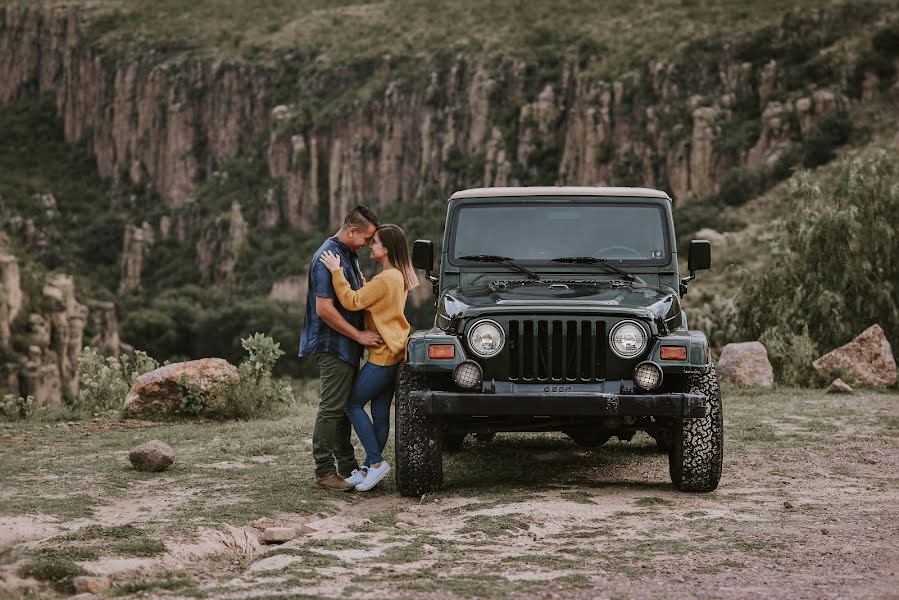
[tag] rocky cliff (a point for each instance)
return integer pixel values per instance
(40, 351)
(679, 122)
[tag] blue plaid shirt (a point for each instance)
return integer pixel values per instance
(317, 336)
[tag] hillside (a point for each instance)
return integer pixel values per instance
(196, 156)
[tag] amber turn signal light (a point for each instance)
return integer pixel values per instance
(441, 351)
(673, 353)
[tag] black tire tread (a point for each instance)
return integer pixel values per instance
(417, 440)
(697, 453)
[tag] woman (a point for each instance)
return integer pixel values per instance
(383, 298)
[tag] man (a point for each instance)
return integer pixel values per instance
(336, 337)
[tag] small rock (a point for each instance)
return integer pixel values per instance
(152, 456)
(788, 505)
(91, 585)
(279, 534)
(825, 531)
(839, 387)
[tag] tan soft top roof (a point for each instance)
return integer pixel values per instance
(504, 192)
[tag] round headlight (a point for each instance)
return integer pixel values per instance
(648, 375)
(485, 338)
(628, 339)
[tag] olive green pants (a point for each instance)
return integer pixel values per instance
(331, 436)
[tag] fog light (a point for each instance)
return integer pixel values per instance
(467, 375)
(648, 376)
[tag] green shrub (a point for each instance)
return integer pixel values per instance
(57, 571)
(791, 355)
(829, 134)
(257, 393)
(105, 380)
(833, 273)
(717, 319)
(192, 399)
(15, 408)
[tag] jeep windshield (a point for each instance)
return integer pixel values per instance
(538, 231)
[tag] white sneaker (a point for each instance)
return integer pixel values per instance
(356, 477)
(375, 474)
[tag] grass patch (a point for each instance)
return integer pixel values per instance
(510, 524)
(55, 570)
(580, 497)
(653, 501)
(169, 582)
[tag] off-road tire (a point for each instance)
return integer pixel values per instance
(697, 446)
(417, 441)
(452, 442)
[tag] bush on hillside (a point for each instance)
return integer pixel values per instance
(257, 394)
(106, 380)
(834, 271)
(15, 408)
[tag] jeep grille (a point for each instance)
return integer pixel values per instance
(556, 350)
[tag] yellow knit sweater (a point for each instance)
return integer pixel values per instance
(384, 297)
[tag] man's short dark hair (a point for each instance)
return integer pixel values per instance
(360, 217)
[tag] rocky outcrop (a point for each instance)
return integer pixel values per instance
(10, 296)
(172, 122)
(153, 121)
(137, 241)
(159, 392)
(290, 289)
(219, 247)
(867, 360)
(746, 364)
(105, 325)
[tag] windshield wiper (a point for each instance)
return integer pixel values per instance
(503, 260)
(592, 260)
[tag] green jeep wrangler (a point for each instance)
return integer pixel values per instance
(558, 309)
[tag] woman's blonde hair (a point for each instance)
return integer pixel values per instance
(394, 240)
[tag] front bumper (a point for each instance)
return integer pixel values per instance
(586, 404)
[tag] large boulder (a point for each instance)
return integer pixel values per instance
(867, 360)
(159, 392)
(746, 364)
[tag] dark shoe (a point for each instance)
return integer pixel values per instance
(333, 482)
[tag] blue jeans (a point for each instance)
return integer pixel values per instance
(374, 384)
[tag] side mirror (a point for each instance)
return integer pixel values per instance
(423, 255)
(423, 258)
(700, 256)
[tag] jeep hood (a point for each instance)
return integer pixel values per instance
(594, 297)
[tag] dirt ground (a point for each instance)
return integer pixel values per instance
(807, 508)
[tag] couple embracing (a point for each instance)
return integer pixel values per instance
(344, 315)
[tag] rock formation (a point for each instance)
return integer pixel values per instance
(219, 247)
(136, 242)
(171, 123)
(746, 364)
(10, 296)
(159, 392)
(868, 360)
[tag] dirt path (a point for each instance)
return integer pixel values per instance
(807, 508)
